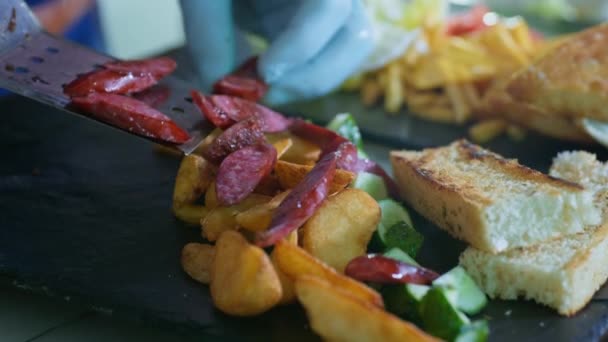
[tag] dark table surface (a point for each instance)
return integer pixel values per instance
(84, 213)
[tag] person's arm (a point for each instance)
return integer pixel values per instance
(57, 16)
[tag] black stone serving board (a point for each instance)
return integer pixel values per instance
(84, 214)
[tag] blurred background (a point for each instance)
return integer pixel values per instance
(123, 28)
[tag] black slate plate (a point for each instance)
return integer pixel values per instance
(84, 213)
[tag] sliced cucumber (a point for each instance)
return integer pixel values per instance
(477, 331)
(469, 298)
(398, 254)
(439, 316)
(345, 125)
(404, 300)
(402, 236)
(372, 184)
(393, 212)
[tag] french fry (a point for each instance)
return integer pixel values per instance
(394, 90)
(336, 315)
(290, 174)
(295, 262)
(487, 130)
(341, 228)
(370, 92)
(197, 260)
(257, 218)
(459, 105)
(244, 281)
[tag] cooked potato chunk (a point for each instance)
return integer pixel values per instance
(296, 262)
(221, 219)
(290, 174)
(244, 281)
(257, 218)
(341, 228)
(197, 259)
(337, 315)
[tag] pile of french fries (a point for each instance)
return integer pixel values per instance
(443, 78)
(307, 266)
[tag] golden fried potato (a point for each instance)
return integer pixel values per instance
(336, 315)
(221, 219)
(257, 218)
(207, 141)
(300, 151)
(287, 284)
(191, 213)
(170, 151)
(296, 262)
(211, 197)
(193, 178)
(197, 259)
(282, 146)
(341, 228)
(243, 281)
(290, 174)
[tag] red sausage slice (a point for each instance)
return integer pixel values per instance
(383, 270)
(108, 81)
(301, 203)
(159, 67)
(241, 171)
(223, 111)
(218, 117)
(244, 82)
(239, 135)
(132, 115)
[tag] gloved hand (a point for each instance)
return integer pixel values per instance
(314, 44)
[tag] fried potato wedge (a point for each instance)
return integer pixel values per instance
(211, 197)
(221, 219)
(193, 178)
(287, 284)
(295, 262)
(257, 218)
(300, 151)
(197, 260)
(341, 228)
(282, 146)
(191, 213)
(336, 315)
(290, 174)
(243, 281)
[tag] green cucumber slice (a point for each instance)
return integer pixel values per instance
(469, 298)
(477, 331)
(393, 212)
(404, 300)
(372, 184)
(402, 236)
(398, 254)
(345, 125)
(439, 316)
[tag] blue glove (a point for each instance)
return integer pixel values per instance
(314, 44)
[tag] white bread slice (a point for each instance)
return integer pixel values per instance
(563, 273)
(490, 202)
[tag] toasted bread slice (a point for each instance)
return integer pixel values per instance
(563, 273)
(490, 202)
(571, 79)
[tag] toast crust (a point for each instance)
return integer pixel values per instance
(456, 202)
